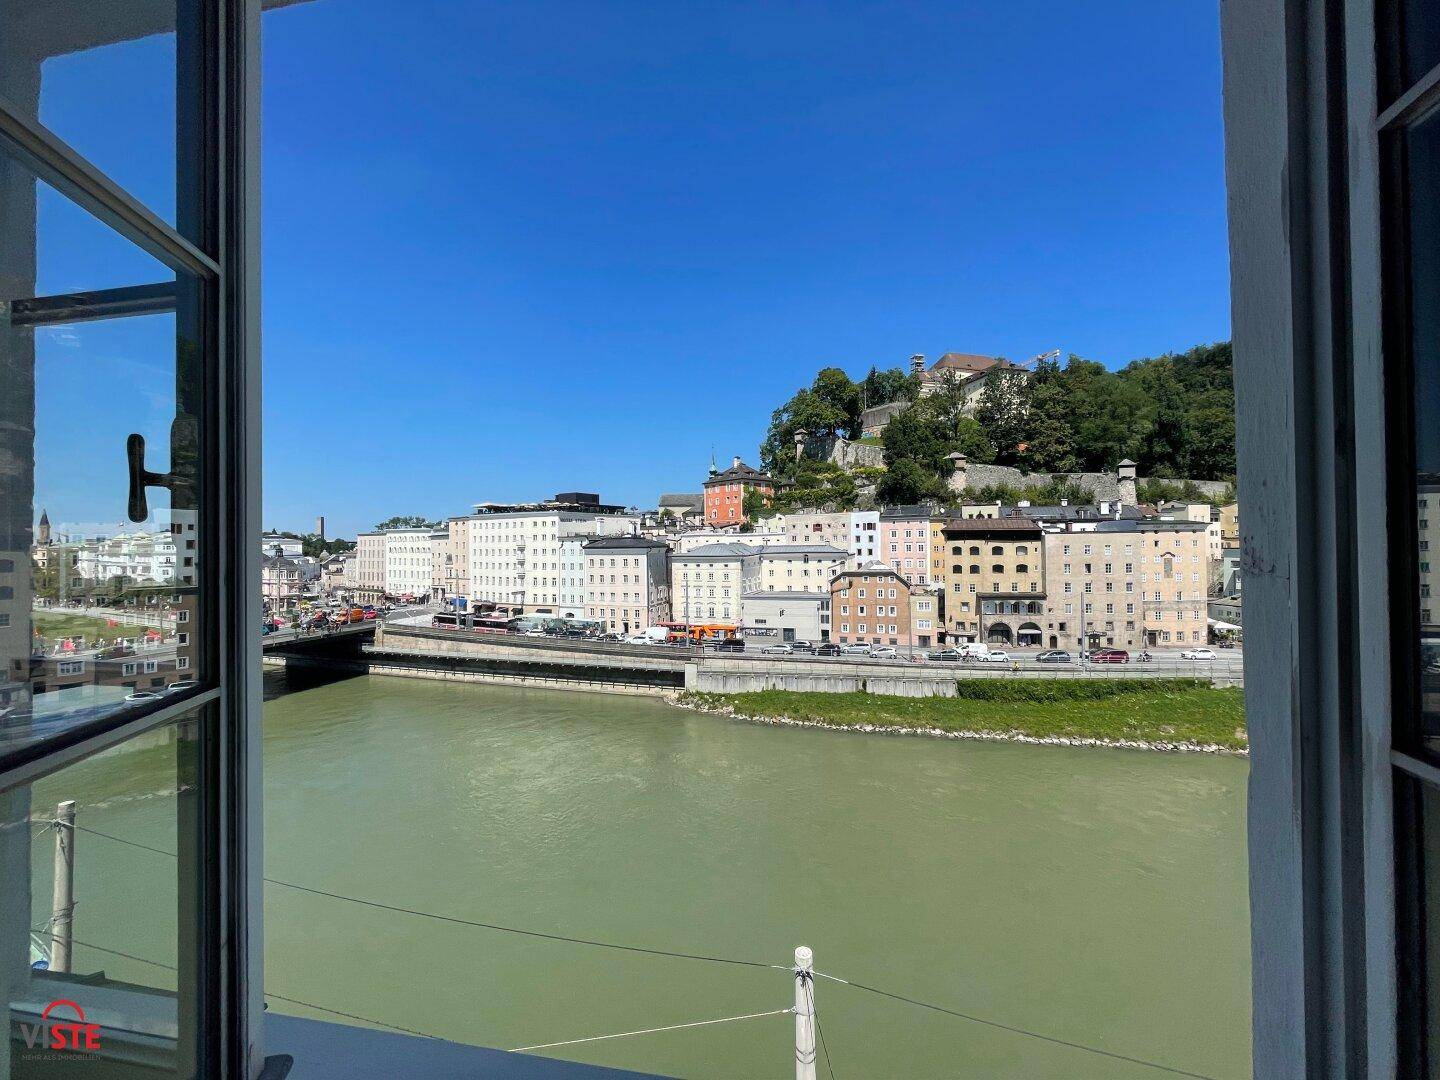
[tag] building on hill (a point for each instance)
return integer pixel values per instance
(970, 370)
(725, 493)
(905, 541)
(685, 508)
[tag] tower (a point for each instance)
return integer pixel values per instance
(42, 532)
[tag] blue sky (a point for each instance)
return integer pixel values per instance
(512, 249)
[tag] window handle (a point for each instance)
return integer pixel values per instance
(141, 478)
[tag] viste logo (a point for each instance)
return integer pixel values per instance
(59, 1034)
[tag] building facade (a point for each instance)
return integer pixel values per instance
(369, 568)
(775, 617)
(871, 604)
(904, 541)
(725, 494)
(408, 562)
(706, 584)
(799, 568)
(515, 559)
(994, 580)
(627, 583)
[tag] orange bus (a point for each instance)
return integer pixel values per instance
(699, 632)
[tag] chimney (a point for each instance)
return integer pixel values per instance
(1125, 474)
(736, 462)
(320, 526)
(917, 364)
(959, 465)
(1064, 502)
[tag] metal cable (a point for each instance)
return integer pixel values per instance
(651, 1031)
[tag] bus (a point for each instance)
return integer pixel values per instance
(478, 623)
(700, 633)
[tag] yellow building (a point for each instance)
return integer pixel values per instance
(994, 580)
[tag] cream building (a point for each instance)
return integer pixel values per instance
(627, 582)
(369, 572)
(994, 580)
(689, 541)
(801, 568)
(407, 562)
(706, 584)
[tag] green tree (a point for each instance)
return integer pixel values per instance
(406, 521)
(890, 385)
(1003, 410)
(908, 482)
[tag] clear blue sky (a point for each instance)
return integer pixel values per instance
(512, 249)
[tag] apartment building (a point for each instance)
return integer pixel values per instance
(857, 531)
(407, 562)
(800, 568)
(904, 541)
(927, 609)
(627, 582)
(455, 559)
(725, 493)
(871, 604)
(514, 549)
(283, 580)
(159, 557)
(439, 548)
(706, 584)
(994, 580)
(369, 569)
(1204, 513)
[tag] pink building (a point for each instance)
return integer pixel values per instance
(905, 542)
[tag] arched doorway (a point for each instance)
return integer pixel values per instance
(999, 634)
(1029, 634)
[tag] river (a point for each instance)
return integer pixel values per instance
(1094, 896)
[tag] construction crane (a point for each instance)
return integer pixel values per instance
(1036, 361)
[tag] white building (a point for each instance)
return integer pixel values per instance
(272, 544)
(162, 557)
(515, 557)
(771, 617)
(856, 531)
(689, 541)
(369, 567)
(408, 562)
(706, 584)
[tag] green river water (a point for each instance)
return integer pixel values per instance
(1090, 895)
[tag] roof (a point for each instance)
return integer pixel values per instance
(618, 542)
(737, 473)
(1072, 512)
(803, 549)
(985, 526)
(875, 566)
(958, 361)
(718, 551)
(695, 501)
(1150, 525)
(899, 513)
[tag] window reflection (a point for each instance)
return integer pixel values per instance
(98, 602)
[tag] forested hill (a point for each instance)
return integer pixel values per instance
(1174, 415)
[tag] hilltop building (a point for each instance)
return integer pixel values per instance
(725, 493)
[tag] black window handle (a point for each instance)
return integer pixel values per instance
(141, 478)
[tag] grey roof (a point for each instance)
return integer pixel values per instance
(718, 551)
(1073, 512)
(894, 513)
(737, 472)
(626, 542)
(691, 501)
(1149, 525)
(803, 549)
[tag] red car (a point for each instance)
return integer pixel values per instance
(1109, 656)
(368, 615)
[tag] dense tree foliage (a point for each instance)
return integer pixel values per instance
(406, 521)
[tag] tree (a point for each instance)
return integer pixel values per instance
(908, 482)
(891, 385)
(406, 521)
(755, 503)
(1004, 412)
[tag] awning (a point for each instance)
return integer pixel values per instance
(1216, 624)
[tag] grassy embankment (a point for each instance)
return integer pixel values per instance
(62, 625)
(1149, 710)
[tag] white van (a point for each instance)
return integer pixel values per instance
(972, 650)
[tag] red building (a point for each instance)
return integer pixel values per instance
(725, 493)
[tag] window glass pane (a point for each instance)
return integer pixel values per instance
(1409, 43)
(102, 75)
(110, 942)
(98, 345)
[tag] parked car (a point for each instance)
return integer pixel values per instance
(827, 648)
(182, 686)
(996, 656)
(536, 631)
(1053, 656)
(782, 648)
(142, 695)
(883, 652)
(1198, 654)
(943, 654)
(1109, 656)
(267, 627)
(802, 647)
(366, 616)
(857, 647)
(731, 644)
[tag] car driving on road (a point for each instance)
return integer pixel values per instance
(1198, 654)
(827, 648)
(996, 656)
(943, 654)
(858, 648)
(779, 649)
(1109, 656)
(1053, 656)
(883, 652)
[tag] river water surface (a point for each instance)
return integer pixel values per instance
(1090, 895)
